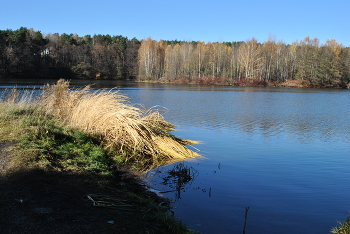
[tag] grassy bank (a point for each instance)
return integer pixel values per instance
(82, 140)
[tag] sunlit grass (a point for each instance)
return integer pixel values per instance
(342, 228)
(87, 130)
(141, 136)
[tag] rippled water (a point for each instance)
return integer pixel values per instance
(285, 153)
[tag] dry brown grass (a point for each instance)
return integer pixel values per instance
(141, 136)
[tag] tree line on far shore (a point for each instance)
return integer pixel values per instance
(27, 53)
(248, 62)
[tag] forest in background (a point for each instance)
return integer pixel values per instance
(27, 53)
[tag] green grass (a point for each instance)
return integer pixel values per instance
(342, 228)
(44, 140)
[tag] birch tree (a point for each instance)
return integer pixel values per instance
(147, 59)
(250, 58)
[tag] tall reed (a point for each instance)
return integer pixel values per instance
(142, 136)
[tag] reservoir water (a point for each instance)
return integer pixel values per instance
(284, 153)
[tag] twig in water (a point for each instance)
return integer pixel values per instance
(245, 218)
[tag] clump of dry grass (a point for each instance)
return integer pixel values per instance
(141, 136)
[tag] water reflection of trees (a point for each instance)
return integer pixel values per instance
(178, 178)
(309, 116)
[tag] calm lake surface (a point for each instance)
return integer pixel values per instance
(284, 153)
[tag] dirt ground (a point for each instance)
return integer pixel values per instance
(37, 201)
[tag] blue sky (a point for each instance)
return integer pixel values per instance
(197, 20)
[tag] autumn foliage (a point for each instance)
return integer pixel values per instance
(27, 53)
(246, 63)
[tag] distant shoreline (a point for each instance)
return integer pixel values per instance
(209, 82)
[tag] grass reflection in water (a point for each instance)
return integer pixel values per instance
(178, 177)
